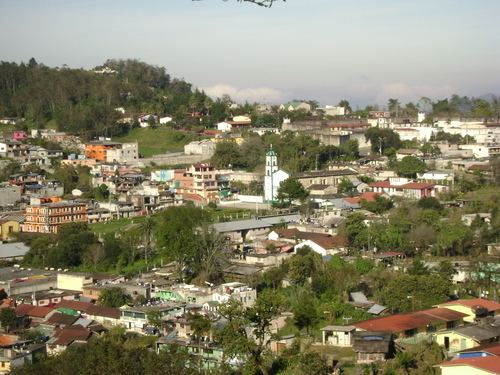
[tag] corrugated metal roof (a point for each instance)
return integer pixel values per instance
(14, 249)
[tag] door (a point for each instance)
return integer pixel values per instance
(447, 343)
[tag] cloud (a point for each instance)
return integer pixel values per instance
(250, 94)
(406, 92)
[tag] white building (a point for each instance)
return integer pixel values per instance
(125, 153)
(331, 110)
(204, 147)
(165, 120)
(224, 126)
(274, 176)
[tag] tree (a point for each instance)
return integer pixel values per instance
(418, 268)
(382, 139)
(446, 270)
(305, 312)
(411, 292)
(211, 256)
(429, 203)
(454, 238)
(247, 332)
(302, 265)
(147, 227)
(290, 190)
(378, 206)
(8, 318)
(393, 106)
(177, 236)
(227, 154)
(114, 297)
(154, 318)
(409, 166)
(344, 103)
(346, 187)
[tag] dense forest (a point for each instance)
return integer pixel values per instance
(84, 102)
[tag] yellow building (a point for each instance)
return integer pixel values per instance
(467, 337)
(471, 366)
(474, 308)
(8, 228)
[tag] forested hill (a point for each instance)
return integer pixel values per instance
(83, 101)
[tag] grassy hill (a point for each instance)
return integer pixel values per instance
(158, 141)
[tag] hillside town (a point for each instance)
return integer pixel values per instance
(276, 228)
(270, 187)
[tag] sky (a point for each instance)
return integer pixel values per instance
(365, 51)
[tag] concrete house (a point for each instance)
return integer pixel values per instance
(338, 335)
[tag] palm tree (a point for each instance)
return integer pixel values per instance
(147, 227)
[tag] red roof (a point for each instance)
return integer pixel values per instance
(23, 309)
(74, 305)
(381, 184)
(491, 364)
(368, 196)
(403, 322)
(475, 302)
(40, 311)
(67, 335)
(492, 348)
(417, 186)
(330, 242)
(107, 312)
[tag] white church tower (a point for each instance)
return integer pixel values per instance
(273, 177)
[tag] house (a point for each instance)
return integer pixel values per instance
(46, 216)
(209, 354)
(471, 366)
(165, 120)
(204, 147)
(483, 217)
(325, 177)
(136, 318)
(239, 231)
(107, 316)
(411, 326)
(403, 187)
(403, 152)
(338, 335)
(62, 338)
(224, 126)
(467, 337)
(12, 251)
(11, 358)
(319, 190)
(372, 347)
(324, 245)
(483, 350)
(473, 309)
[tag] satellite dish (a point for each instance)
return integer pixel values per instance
(76, 192)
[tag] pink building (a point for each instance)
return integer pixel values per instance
(19, 135)
(412, 190)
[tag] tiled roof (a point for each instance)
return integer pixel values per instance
(58, 319)
(67, 335)
(40, 311)
(490, 364)
(417, 185)
(74, 305)
(106, 312)
(473, 303)
(492, 348)
(23, 309)
(403, 322)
